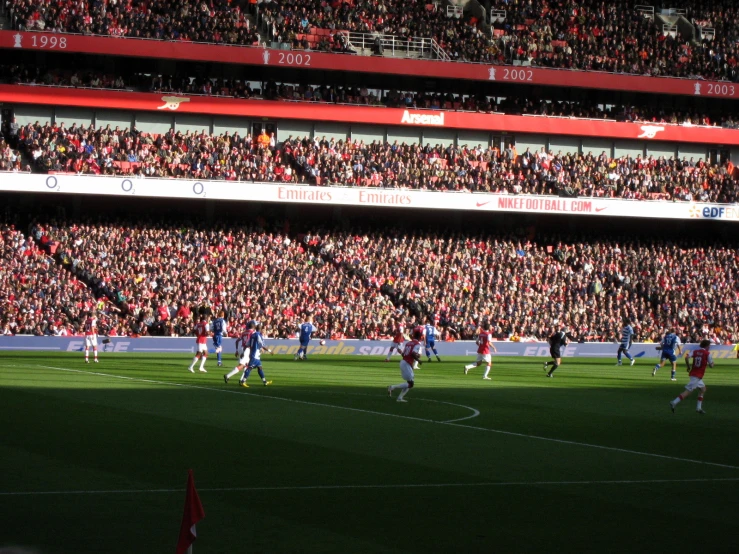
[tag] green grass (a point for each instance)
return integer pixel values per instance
(321, 460)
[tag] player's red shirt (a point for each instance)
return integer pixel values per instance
(701, 359)
(201, 332)
(91, 326)
(399, 334)
(243, 340)
(419, 329)
(483, 342)
(409, 349)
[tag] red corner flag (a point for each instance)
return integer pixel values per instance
(193, 513)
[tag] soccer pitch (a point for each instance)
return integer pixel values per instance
(94, 458)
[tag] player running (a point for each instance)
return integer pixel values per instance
(242, 351)
(398, 339)
(219, 329)
(256, 345)
(484, 346)
(411, 354)
(201, 333)
(627, 337)
(701, 358)
(91, 337)
(430, 334)
(556, 342)
(669, 345)
(306, 330)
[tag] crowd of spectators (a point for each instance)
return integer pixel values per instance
(38, 295)
(323, 161)
(214, 21)
(585, 35)
(148, 278)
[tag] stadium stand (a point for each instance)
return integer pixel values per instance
(620, 36)
(355, 281)
(106, 151)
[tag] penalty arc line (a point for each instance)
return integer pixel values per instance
(412, 418)
(383, 486)
(474, 411)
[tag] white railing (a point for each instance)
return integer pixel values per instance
(454, 11)
(670, 30)
(646, 11)
(398, 47)
(497, 16)
(705, 33)
(673, 12)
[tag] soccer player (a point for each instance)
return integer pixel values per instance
(701, 358)
(398, 339)
(484, 345)
(242, 350)
(91, 337)
(430, 334)
(627, 336)
(556, 342)
(669, 344)
(306, 330)
(201, 340)
(256, 345)
(411, 354)
(219, 329)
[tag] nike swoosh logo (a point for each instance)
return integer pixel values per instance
(480, 204)
(600, 209)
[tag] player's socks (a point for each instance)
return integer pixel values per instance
(487, 371)
(233, 372)
(245, 375)
(699, 404)
(202, 364)
(192, 365)
(261, 374)
(672, 376)
(400, 386)
(218, 356)
(403, 393)
(438, 358)
(554, 368)
(629, 356)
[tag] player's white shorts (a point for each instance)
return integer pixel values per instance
(695, 383)
(484, 358)
(406, 371)
(202, 348)
(244, 358)
(91, 341)
(398, 345)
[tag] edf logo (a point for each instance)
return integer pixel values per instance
(713, 212)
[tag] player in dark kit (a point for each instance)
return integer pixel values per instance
(557, 341)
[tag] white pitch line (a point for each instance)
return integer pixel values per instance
(424, 420)
(29, 348)
(475, 412)
(383, 486)
(162, 350)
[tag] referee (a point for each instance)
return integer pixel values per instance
(557, 341)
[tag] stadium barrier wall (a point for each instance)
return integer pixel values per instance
(310, 60)
(356, 196)
(349, 347)
(370, 115)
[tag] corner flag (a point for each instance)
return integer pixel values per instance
(193, 513)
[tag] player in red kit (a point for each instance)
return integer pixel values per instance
(398, 339)
(202, 330)
(701, 359)
(91, 337)
(242, 350)
(484, 347)
(411, 354)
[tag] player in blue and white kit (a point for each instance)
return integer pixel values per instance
(627, 336)
(256, 345)
(669, 345)
(430, 334)
(219, 329)
(305, 332)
